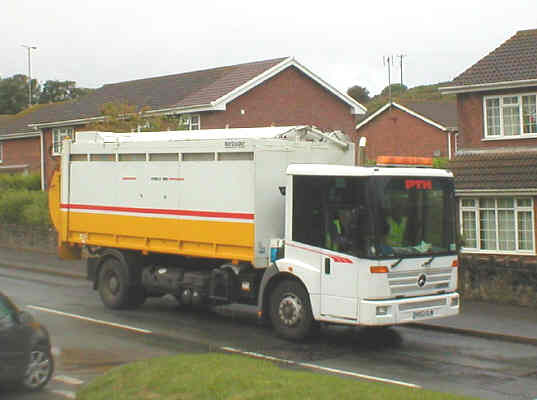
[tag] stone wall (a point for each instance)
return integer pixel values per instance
(28, 238)
(499, 279)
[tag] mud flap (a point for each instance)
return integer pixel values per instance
(68, 252)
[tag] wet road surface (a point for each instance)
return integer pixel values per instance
(88, 347)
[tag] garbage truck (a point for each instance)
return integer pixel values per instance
(275, 218)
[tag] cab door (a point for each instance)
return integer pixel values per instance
(339, 287)
(339, 274)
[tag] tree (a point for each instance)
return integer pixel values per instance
(359, 93)
(123, 117)
(14, 94)
(55, 91)
(397, 89)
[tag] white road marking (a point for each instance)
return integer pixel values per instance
(81, 317)
(321, 368)
(69, 380)
(65, 393)
(231, 350)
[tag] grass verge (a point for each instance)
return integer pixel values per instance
(223, 376)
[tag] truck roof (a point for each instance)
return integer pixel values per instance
(272, 132)
(346, 170)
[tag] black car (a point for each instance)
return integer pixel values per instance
(25, 351)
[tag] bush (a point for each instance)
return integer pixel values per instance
(36, 213)
(22, 202)
(20, 182)
(24, 207)
(441, 163)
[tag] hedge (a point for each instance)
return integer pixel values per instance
(20, 182)
(22, 202)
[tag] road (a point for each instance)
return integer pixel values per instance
(89, 339)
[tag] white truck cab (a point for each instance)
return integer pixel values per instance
(372, 245)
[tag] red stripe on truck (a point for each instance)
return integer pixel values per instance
(333, 257)
(185, 213)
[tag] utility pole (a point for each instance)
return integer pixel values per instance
(401, 64)
(29, 48)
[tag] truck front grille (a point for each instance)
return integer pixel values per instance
(422, 304)
(406, 282)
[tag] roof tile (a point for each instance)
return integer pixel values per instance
(179, 90)
(443, 113)
(514, 60)
(495, 170)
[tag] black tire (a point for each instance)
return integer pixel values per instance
(113, 285)
(137, 296)
(39, 370)
(290, 310)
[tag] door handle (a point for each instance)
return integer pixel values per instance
(327, 266)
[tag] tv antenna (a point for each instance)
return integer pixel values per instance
(387, 61)
(401, 56)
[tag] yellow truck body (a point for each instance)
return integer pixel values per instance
(212, 193)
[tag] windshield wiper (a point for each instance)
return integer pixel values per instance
(428, 262)
(395, 264)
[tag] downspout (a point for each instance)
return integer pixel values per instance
(449, 143)
(362, 143)
(42, 141)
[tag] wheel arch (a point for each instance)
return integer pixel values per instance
(129, 261)
(267, 288)
(40, 337)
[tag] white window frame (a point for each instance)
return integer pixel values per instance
(58, 134)
(502, 136)
(475, 208)
(1, 152)
(186, 121)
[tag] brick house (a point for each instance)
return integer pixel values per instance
(425, 129)
(273, 92)
(495, 169)
(21, 147)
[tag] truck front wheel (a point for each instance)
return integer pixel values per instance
(290, 310)
(113, 285)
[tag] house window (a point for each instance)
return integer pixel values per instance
(510, 116)
(497, 224)
(190, 122)
(457, 142)
(58, 134)
(529, 113)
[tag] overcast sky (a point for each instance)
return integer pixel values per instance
(97, 42)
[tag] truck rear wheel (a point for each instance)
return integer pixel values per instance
(290, 310)
(137, 296)
(113, 285)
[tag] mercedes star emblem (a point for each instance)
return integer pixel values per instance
(421, 280)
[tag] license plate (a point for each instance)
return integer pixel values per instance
(422, 314)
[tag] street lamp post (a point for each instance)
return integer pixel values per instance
(29, 48)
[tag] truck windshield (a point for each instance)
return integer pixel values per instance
(413, 216)
(375, 217)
